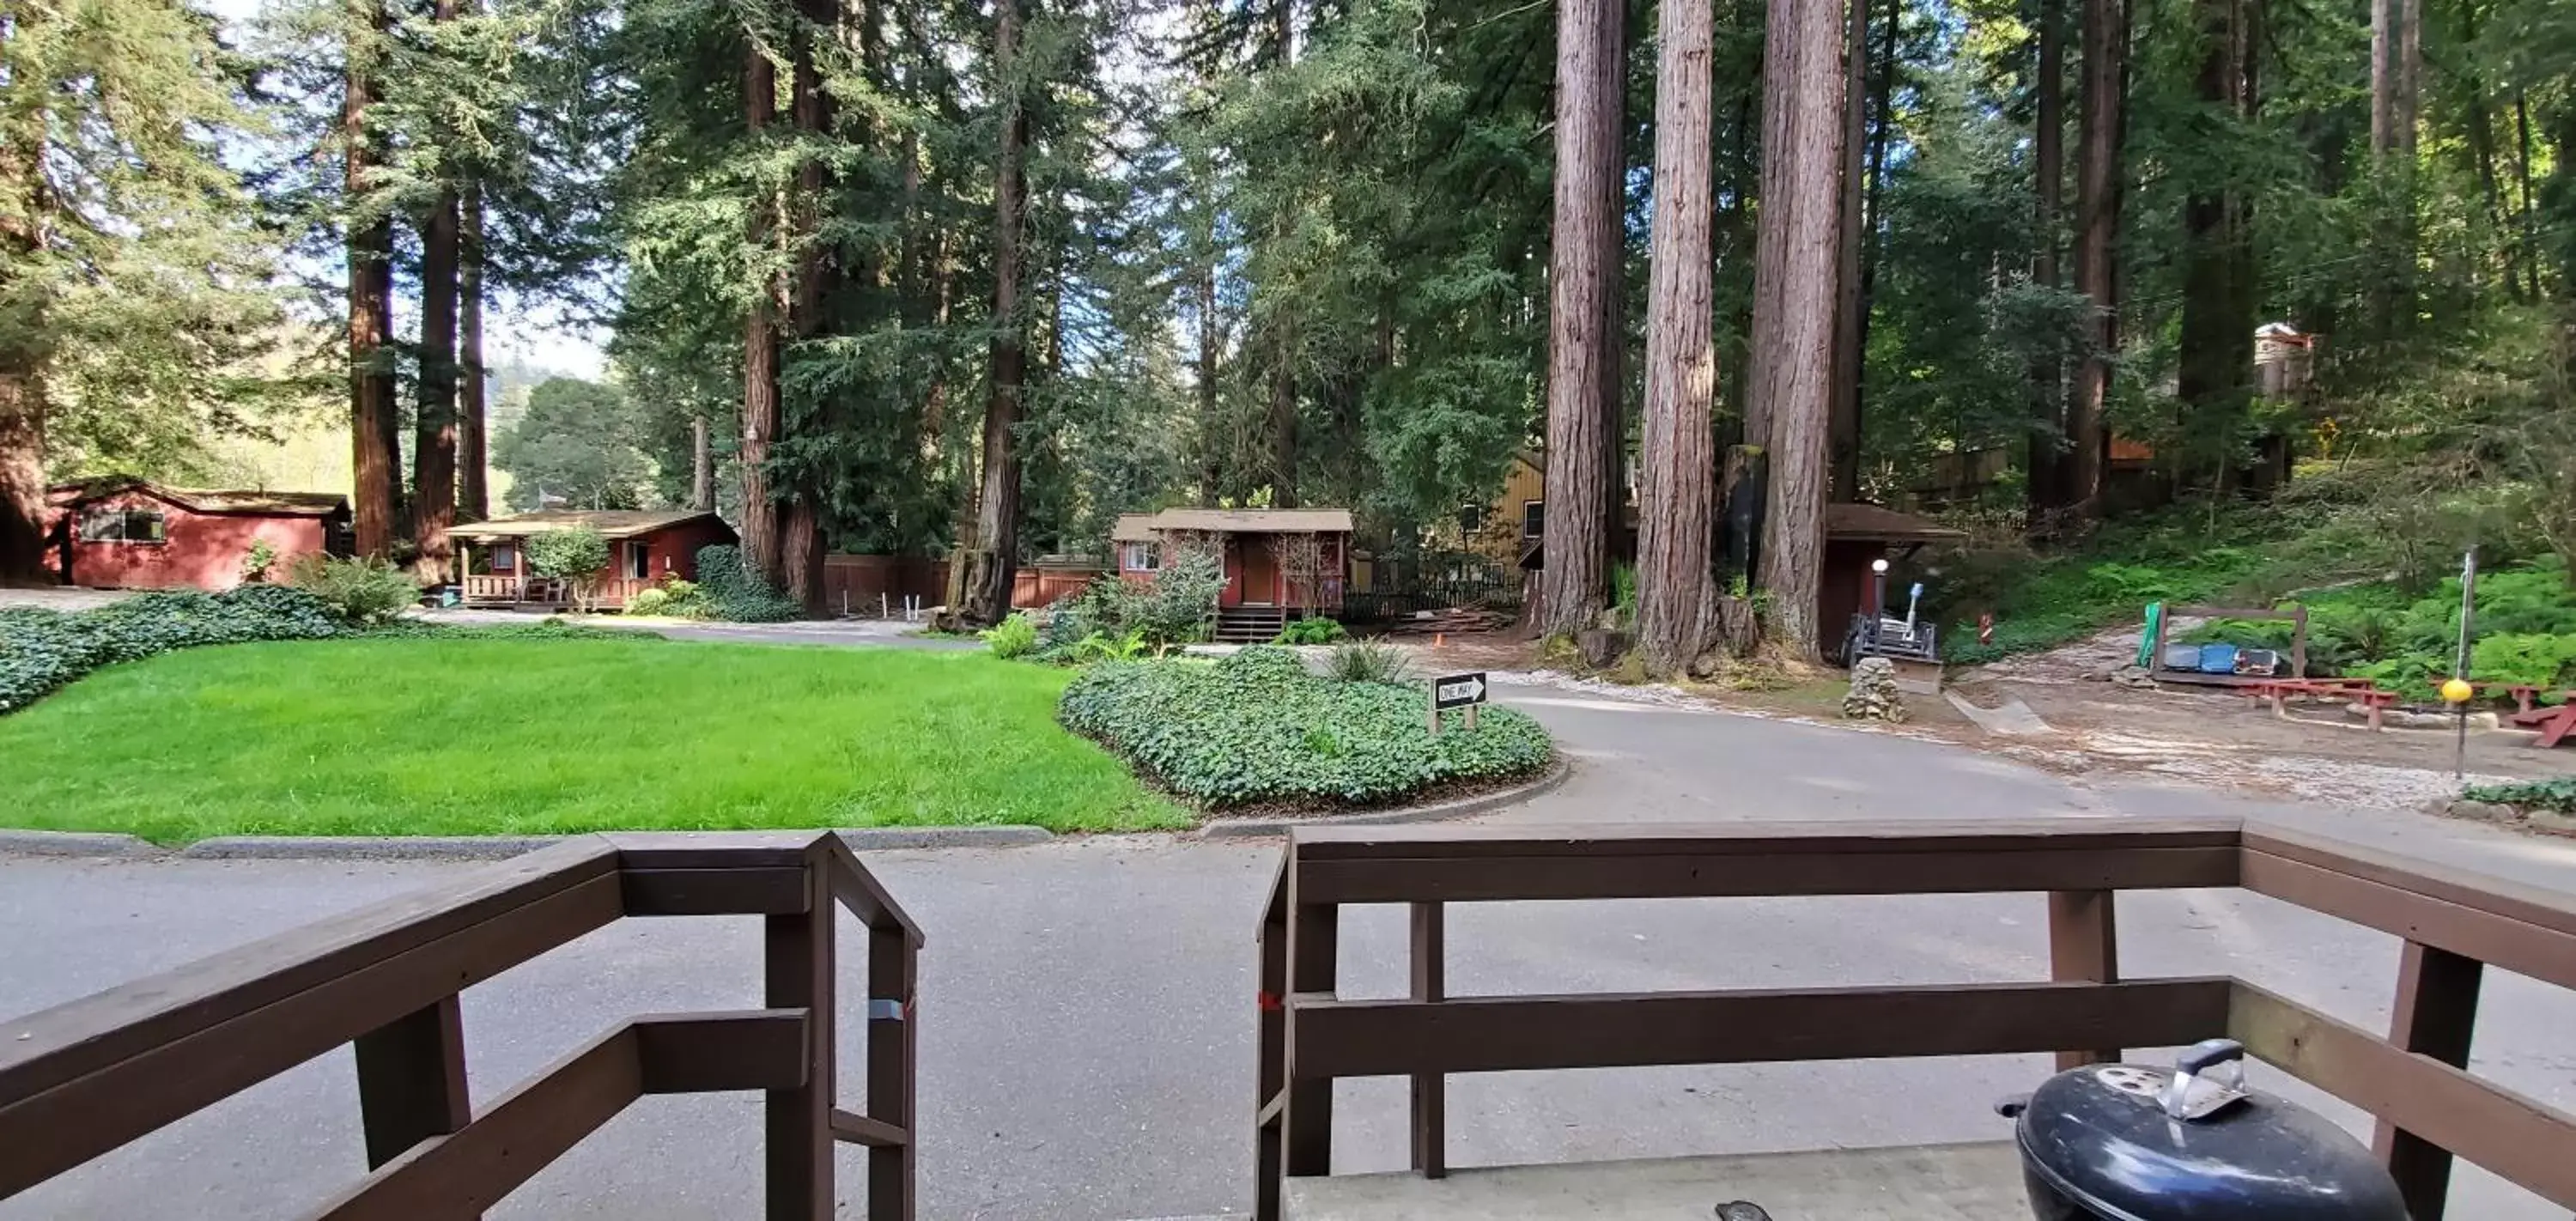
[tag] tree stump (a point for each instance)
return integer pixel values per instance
(1601, 647)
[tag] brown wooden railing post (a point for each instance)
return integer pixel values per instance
(411, 1080)
(1271, 1005)
(1314, 940)
(1430, 1090)
(797, 974)
(2436, 1016)
(2083, 945)
(893, 1043)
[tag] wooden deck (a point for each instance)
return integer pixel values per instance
(1978, 1182)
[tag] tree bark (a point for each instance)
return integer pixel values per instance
(2409, 71)
(1803, 44)
(433, 444)
(2383, 82)
(1851, 313)
(2531, 257)
(988, 597)
(2211, 380)
(760, 406)
(1576, 528)
(1283, 421)
(372, 423)
(473, 440)
(702, 465)
(800, 544)
(2097, 224)
(1614, 291)
(2048, 164)
(1211, 428)
(22, 467)
(1674, 587)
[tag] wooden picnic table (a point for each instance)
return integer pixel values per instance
(2554, 723)
(2522, 693)
(2358, 690)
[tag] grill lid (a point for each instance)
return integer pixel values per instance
(2139, 1144)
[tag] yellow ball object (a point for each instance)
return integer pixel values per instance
(2458, 691)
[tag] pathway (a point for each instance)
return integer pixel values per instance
(1087, 1004)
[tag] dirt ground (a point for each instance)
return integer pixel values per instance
(2056, 710)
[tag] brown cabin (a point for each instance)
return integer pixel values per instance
(645, 547)
(127, 533)
(1280, 564)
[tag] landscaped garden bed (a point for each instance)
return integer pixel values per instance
(467, 735)
(1256, 729)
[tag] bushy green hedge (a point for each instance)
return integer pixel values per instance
(42, 650)
(2558, 794)
(736, 593)
(1255, 727)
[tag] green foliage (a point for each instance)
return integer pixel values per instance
(1623, 591)
(1016, 636)
(1099, 647)
(1311, 630)
(2542, 661)
(1256, 727)
(40, 651)
(1176, 607)
(576, 554)
(2556, 794)
(578, 440)
(257, 561)
(1369, 661)
(357, 592)
(673, 599)
(733, 592)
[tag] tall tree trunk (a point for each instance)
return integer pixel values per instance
(1576, 528)
(2048, 165)
(988, 596)
(1675, 593)
(1614, 292)
(473, 439)
(1851, 313)
(702, 465)
(2097, 225)
(800, 543)
(22, 462)
(1211, 428)
(2482, 150)
(372, 423)
(2211, 381)
(2383, 81)
(2409, 71)
(1283, 424)
(760, 406)
(433, 444)
(2531, 259)
(1803, 66)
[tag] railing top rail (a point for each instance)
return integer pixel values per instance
(1763, 838)
(47, 1048)
(2484, 892)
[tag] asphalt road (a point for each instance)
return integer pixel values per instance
(1086, 1011)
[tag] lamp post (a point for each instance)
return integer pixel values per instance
(1877, 596)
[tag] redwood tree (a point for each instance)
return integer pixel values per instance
(433, 449)
(988, 596)
(2048, 167)
(1794, 286)
(1576, 529)
(372, 422)
(473, 444)
(2097, 224)
(760, 414)
(1674, 587)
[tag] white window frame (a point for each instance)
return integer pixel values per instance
(93, 519)
(638, 565)
(1140, 557)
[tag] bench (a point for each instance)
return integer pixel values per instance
(2359, 690)
(2554, 723)
(2522, 694)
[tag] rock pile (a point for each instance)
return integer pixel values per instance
(1873, 695)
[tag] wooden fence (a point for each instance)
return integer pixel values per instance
(2429, 1109)
(81, 1080)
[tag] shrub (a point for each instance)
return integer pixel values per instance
(355, 591)
(1369, 662)
(2557, 794)
(1016, 636)
(574, 555)
(734, 592)
(1175, 608)
(1257, 727)
(1099, 646)
(1312, 630)
(257, 561)
(40, 651)
(652, 601)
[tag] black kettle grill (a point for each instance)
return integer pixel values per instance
(2121, 1142)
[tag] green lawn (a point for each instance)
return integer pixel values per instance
(461, 736)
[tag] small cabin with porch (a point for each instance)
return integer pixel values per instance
(1280, 564)
(645, 547)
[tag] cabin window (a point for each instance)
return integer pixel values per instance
(1142, 557)
(505, 558)
(1533, 518)
(146, 526)
(639, 561)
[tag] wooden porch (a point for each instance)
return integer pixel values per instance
(510, 591)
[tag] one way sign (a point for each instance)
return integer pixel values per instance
(1457, 691)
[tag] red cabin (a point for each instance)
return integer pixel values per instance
(1280, 564)
(127, 533)
(644, 547)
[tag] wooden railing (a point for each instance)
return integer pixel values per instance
(88, 1077)
(2429, 1109)
(607, 592)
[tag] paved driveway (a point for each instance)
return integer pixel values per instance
(1087, 1004)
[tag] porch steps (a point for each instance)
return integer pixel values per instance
(1250, 624)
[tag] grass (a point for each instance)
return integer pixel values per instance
(477, 737)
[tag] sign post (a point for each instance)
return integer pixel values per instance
(1456, 691)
